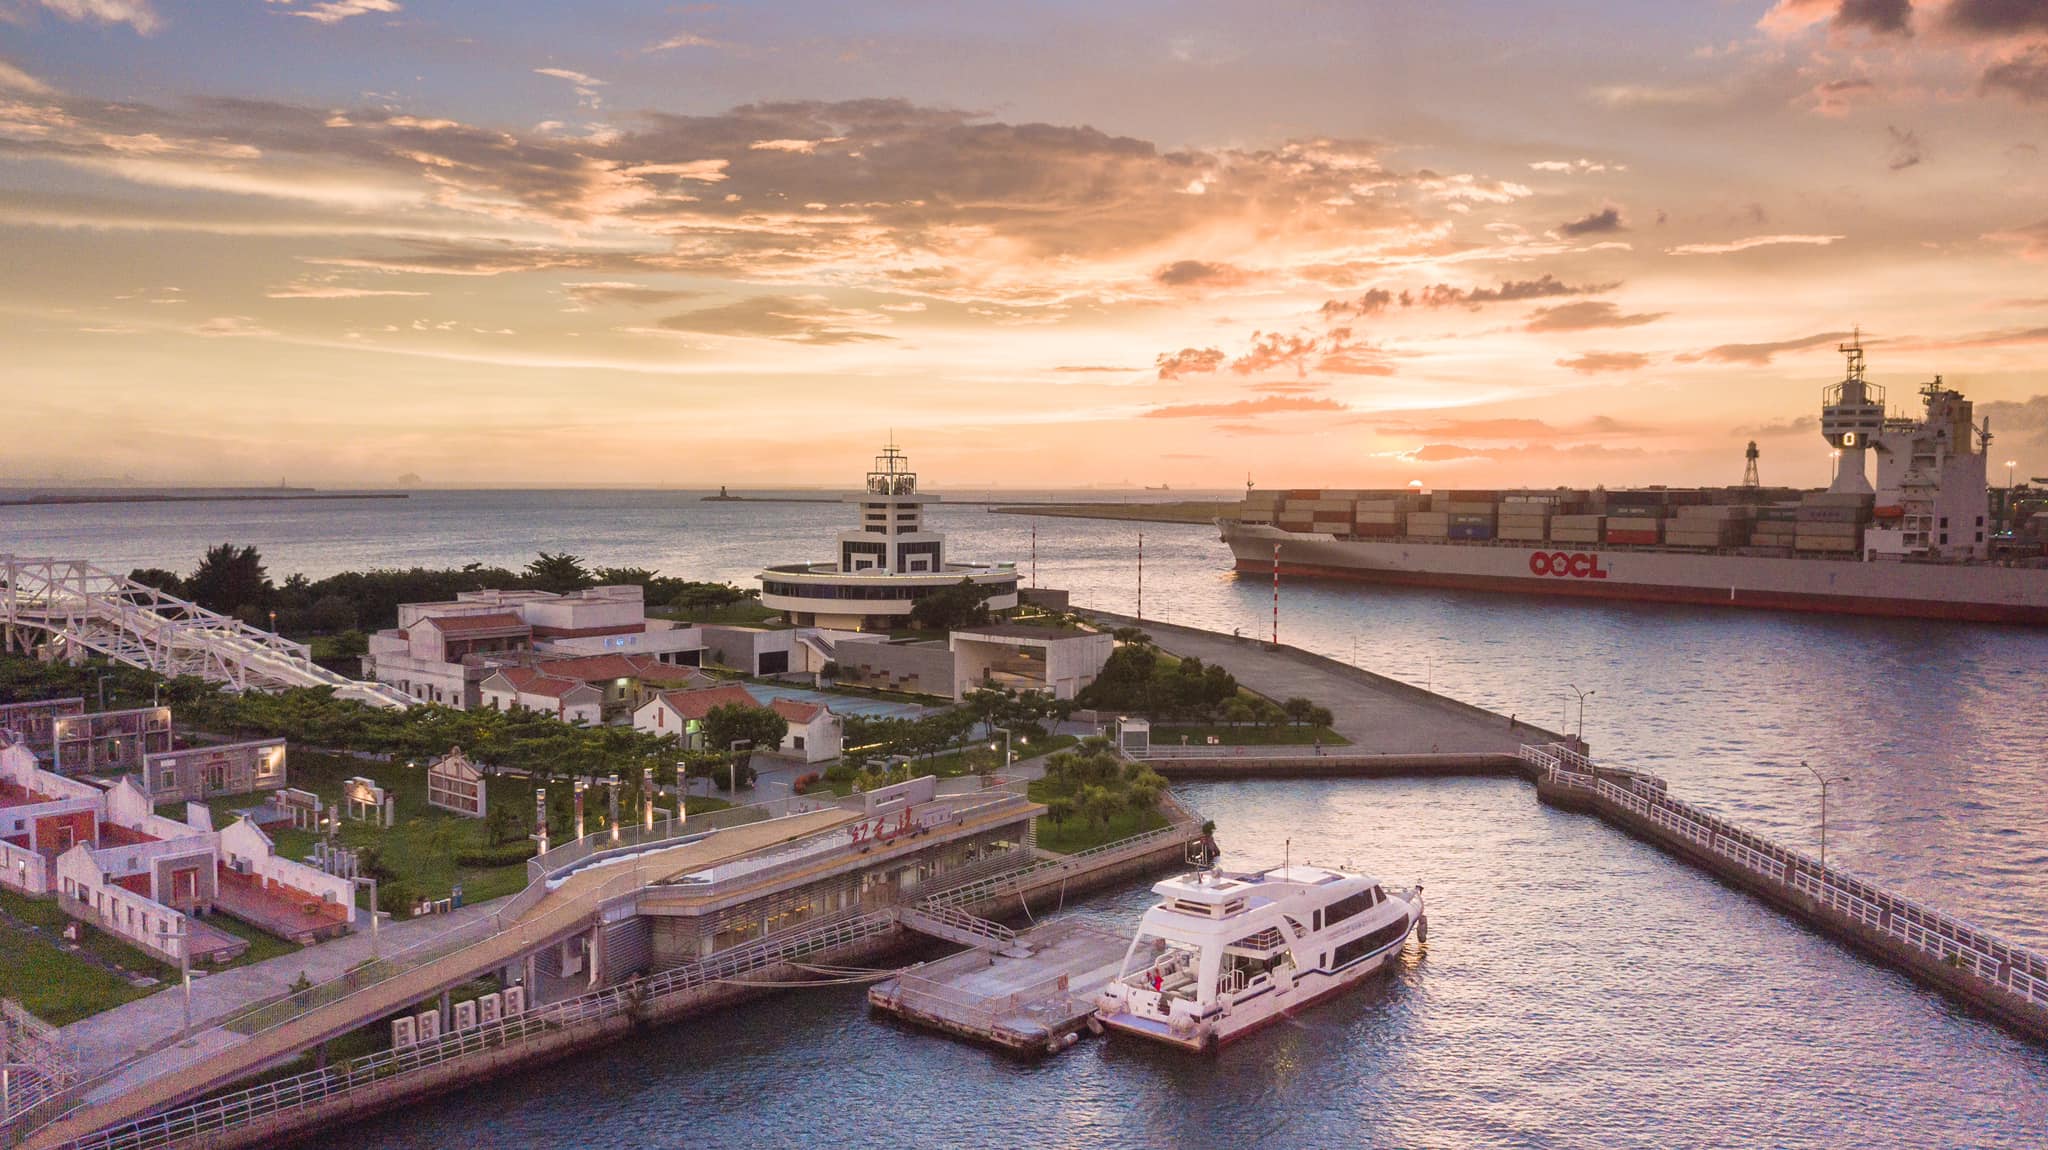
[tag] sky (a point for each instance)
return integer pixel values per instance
(341, 242)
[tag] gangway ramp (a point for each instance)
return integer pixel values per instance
(955, 925)
(572, 905)
(1029, 1001)
(109, 614)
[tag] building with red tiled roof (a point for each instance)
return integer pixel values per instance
(570, 700)
(814, 732)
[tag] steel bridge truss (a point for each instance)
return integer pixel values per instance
(83, 608)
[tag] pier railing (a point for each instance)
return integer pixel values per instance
(1936, 934)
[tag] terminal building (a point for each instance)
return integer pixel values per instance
(884, 566)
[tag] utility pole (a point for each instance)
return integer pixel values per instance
(1825, 782)
(1276, 594)
(1034, 552)
(1141, 576)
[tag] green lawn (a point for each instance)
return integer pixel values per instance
(747, 613)
(1078, 834)
(58, 985)
(1198, 735)
(422, 844)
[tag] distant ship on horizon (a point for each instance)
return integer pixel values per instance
(1923, 543)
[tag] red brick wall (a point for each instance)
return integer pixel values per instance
(81, 823)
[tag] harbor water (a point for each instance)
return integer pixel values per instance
(1579, 988)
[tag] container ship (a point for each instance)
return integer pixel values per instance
(1930, 540)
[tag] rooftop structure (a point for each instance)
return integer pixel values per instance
(884, 566)
(443, 652)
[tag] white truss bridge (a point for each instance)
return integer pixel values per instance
(83, 608)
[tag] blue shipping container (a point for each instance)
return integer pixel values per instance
(1469, 531)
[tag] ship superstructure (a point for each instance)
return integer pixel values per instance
(1921, 542)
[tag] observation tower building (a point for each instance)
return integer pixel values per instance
(884, 566)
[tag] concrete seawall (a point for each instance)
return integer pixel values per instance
(1338, 766)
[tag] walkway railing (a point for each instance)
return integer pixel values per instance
(35, 1062)
(228, 1111)
(1941, 936)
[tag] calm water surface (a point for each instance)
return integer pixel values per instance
(1578, 990)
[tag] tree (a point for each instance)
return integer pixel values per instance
(732, 722)
(1300, 711)
(229, 578)
(1132, 636)
(169, 582)
(502, 826)
(558, 573)
(951, 608)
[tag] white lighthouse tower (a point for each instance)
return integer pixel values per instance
(1851, 416)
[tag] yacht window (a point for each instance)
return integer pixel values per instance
(1319, 918)
(1365, 944)
(1344, 908)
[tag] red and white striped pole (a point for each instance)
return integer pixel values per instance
(1276, 594)
(1141, 575)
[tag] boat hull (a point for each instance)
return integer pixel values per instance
(1248, 1016)
(1971, 592)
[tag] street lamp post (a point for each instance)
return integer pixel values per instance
(375, 949)
(1583, 696)
(1006, 744)
(1825, 781)
(184, 936)
(733, 761)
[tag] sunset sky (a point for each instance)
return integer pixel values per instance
(1342, 244)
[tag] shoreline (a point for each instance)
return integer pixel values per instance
(78, 500)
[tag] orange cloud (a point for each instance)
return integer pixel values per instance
(1269, 405)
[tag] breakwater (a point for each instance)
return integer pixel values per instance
(1187, 511)
(1969, 965)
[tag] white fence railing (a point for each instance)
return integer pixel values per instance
(228, 1111)
(1941, 936)
(36, 1063)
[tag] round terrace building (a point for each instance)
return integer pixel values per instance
(884, 566)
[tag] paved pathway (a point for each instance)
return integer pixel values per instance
(1377, 714)
(567, 906)
(113, 1035)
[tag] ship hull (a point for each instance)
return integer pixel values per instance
(1969, 592)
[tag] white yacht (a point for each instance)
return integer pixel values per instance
(1223, 953)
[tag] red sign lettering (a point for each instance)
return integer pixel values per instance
(882, 828)
(1574, 564)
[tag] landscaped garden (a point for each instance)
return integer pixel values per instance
(1092, 797)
